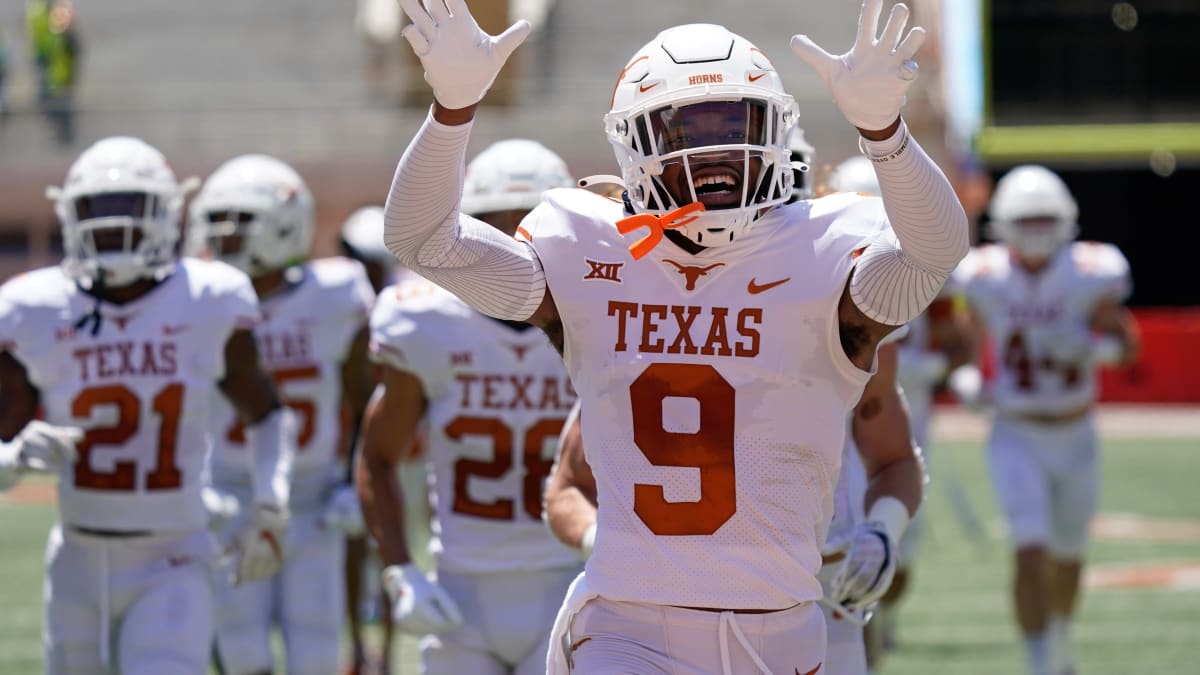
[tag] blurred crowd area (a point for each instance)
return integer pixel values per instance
(334, 89)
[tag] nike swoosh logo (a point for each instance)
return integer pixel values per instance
(754, 289)
(756, 78)
(643, 88)
(811, 672)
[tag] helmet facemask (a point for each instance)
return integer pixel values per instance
(1033, 212)
(112, 237)
(694, 108)
(254, 213)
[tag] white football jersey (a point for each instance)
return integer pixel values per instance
(1026, 313)
(497, 399)
(144, 388)
(716, 391)
(304, 337)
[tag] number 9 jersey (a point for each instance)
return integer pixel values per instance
(143, 387)
(496, 398)
(715, 392)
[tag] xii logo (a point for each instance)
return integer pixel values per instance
(605, 271)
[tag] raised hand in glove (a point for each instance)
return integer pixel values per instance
(869, 82)
(258, 546)
(460, 60)
(419, 606)
(868, 567)
(343, 512)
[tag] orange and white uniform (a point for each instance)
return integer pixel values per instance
(686, 366)
(307, 329)
(130, 548)
(497, 398)
(1043, 446)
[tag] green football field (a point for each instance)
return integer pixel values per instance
(957, 618)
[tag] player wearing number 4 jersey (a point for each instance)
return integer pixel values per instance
(495, 395)
(256, 213)
(716, 358)
(1053, 309)
(125, 349)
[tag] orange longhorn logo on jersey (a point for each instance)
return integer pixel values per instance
(122, 320)
(520, 350)
(692, 274)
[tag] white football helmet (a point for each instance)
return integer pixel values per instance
(362, 236)
(119, 211)
(803, 156)
(511, 175)
(1032, 192)
(856, 174)
(662, 116)
(255, 213)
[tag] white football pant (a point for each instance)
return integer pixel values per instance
(129, 605)
(306, 599)
(610, 637)
(1047, 479)
(508, 617)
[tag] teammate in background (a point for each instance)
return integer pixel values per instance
(879, 438)
(124, 348)
(1054, 310)
(361, 239)
(495, 395)
(255, 213)
(938, 340)
(715, 368)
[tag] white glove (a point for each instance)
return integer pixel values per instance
(46, 447)
(419, 606)
(869, 82)
(343, 512)
(460, 60)
(867, 570)
(258, 546)
(966, 383)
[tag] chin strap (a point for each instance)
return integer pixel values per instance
(93, 316)
(657, 225)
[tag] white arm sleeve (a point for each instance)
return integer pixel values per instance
(901, 272)
(488, 270)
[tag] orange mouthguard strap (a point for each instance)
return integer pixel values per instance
(656, 224)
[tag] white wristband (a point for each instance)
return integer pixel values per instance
(892, 514)
(588, 541)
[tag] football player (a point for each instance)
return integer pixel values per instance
(361, 239)
(718, 356)
(124, 348)
(1054, 311)
(256, 213)
(495, 395)
(879, 462)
